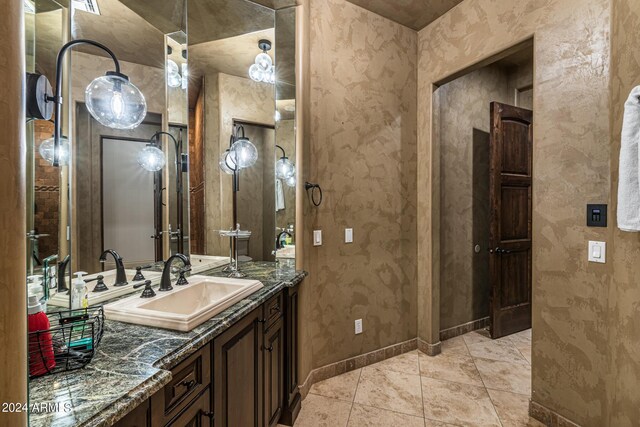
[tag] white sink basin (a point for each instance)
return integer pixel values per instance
(62, 300)
(200, 263)
(185, 307)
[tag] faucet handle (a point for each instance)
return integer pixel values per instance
(139, 277)
(183, 280)
(148, 290)
(100, 286)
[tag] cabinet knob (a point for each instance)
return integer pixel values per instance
(276, 308)
(208, 414)
(262, 321)
(270, 349)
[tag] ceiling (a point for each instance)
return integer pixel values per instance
(415, 14)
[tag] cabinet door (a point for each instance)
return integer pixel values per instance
(198, 414)
(292, 398)
(273, 373)
(139, 417)
(237, 361)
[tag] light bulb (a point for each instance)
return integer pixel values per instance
(185, 76)
(291, 181)
(256, 73)
(243, 153)
(115, 102)
(173, 74)
(117, 105)
(284, 168)
(47, 150)
(264, 61)
(151, 158)
(226, 163)
(278, 116)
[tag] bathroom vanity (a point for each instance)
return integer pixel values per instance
(237, 369)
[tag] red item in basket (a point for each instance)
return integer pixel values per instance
(41, 357)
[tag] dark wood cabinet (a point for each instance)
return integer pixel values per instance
(246, 378)
(198, 414)
(292, 399)
(237, 366)
(273, 373)
(139, 417)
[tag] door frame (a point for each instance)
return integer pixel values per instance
(432, 247)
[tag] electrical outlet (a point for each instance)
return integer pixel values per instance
(348, 235)
(358, 326)
(317, 237)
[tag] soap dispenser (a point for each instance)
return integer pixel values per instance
(79, 292)
(41, 356)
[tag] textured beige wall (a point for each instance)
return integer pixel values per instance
(624, 292)
(571, 169)
(361, 150)
(464, 106)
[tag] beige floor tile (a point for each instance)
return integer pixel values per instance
(342, 387)
(523, 337)
(450, 367)
(455, 345)
(525, 351)
(505, 351)
(391, 390)
(458, 404)
(505, 376)
(513, 409)
(407, 363)
(481, 335)
(367, 416)
(320, 411)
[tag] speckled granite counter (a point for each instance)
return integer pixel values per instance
(132, 361)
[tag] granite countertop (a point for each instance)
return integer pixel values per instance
(132, 361)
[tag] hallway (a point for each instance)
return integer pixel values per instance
(474, 382)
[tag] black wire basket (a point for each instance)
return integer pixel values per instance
(69, 344)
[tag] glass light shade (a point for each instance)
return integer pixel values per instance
(243, 153)
(284, 168)
(291, 181)
(47, 150)
(226, 163)
(264, 61)
(185, 76)
(174, 79)
(115, 102)
(272, 75)
(256, 73)
(151, 158)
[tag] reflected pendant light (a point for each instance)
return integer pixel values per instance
(284, 168)
(263, 70)
(151, 158)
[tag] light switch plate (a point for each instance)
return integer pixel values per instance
(348, 235)
(597, 252)
(317, 237)
(358, 326)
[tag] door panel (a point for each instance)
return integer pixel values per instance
(511, 152)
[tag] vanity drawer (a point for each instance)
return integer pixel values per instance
(273, 310)
(190, 378)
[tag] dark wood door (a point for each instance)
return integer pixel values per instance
(273, 373)
(237, 361)
(198, 414)
(511, 152)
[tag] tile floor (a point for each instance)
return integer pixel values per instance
(476, 381)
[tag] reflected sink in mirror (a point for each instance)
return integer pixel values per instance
(287, 252)
(62, 299)
(185, 307)
(200, 263)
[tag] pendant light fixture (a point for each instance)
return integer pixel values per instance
(241, 153)
(284, 168)
(111, 99)
(263, 70)
(47, 150)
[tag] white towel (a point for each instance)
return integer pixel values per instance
(629, 182)
(279, 196)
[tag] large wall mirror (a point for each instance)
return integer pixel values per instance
(209, 171)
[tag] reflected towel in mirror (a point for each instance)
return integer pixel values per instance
(279, 195)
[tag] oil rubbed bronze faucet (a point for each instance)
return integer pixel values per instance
(165, 281)
(121, 277)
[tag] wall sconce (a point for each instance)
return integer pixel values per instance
(284, 168)
(111, 99)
